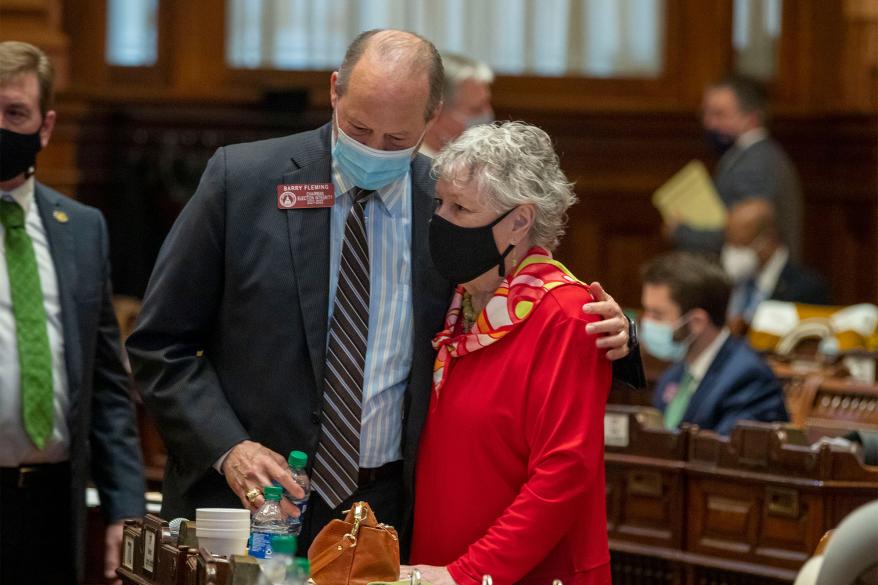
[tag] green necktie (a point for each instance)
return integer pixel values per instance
(31, 333)
(677, 408)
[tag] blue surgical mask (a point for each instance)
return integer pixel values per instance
(658, 340)
(367, 167)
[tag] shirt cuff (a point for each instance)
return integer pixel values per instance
(218, 465)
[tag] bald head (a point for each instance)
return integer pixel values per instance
(397, 57)
(751, 222)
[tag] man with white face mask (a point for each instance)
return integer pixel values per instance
(759, 264)
(716, 379)
(467, 96)
(294, 302)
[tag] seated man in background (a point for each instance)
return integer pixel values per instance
(759, 264)
(716, 380)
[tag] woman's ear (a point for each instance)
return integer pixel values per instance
(522, 222)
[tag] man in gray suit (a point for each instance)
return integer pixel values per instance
(294, 301)
(65, 408)
(751, 164)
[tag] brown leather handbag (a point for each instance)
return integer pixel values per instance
(355, 551)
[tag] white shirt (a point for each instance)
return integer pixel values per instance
(390, 342)
(16, 447)
(699, 366)
(751, 137)
(766, 282)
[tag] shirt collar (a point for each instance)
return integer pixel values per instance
(751, 137)
(766, 282)
(390, 197)
(699, 366)
(23, 194)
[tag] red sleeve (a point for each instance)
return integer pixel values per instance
(567, 389)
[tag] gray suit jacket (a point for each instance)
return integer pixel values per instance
(103, 433)
(762, 170)
(247, 284)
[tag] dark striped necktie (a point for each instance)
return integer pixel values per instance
(337, 464)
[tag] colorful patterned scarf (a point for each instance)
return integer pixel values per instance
(513, 302)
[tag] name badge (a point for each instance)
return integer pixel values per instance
(305, 196)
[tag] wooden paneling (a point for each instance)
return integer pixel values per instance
(38, 22)
(618, 160)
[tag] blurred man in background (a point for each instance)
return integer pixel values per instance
(760, 264)
(715, 380)
(751, 162)
(467, 101)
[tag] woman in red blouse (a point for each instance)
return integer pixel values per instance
(510, 472)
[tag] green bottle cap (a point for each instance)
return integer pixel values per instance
(283, 544)
(297, 459)
(272, 492)
(304, 565)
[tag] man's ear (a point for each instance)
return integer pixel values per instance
(333, 92)
(47, 127)
(699, 321)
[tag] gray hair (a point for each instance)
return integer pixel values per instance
(458, 69)
(408, 49)
(513, 164)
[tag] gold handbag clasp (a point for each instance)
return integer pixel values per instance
(358, 519)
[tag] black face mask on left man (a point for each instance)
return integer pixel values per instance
(720, 142)
(461, 254)
(18, 153)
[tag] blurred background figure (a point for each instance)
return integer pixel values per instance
(734, 112)
(716, 379)
(760, 264)
(467, 101)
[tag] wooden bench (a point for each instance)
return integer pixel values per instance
(690, 506)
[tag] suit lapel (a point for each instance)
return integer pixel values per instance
(55, 215)
(309, 247)
(422, 210)
(703, 399)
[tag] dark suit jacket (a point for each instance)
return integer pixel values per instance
(762, 170)
(738, 385)
(103, 433)
(247, 285)
(797, 284)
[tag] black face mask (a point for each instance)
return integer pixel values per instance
(18, 153)
(461, 254)
(720, 142)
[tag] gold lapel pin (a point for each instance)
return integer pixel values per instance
(60, 216)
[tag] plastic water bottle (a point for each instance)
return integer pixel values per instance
(281, 568)
(269, 520)
(298, 461)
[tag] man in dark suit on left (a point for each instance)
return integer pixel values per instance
(65, 408)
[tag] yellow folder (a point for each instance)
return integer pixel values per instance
(690, 197)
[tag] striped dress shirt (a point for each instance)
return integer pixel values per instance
(391, 321)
